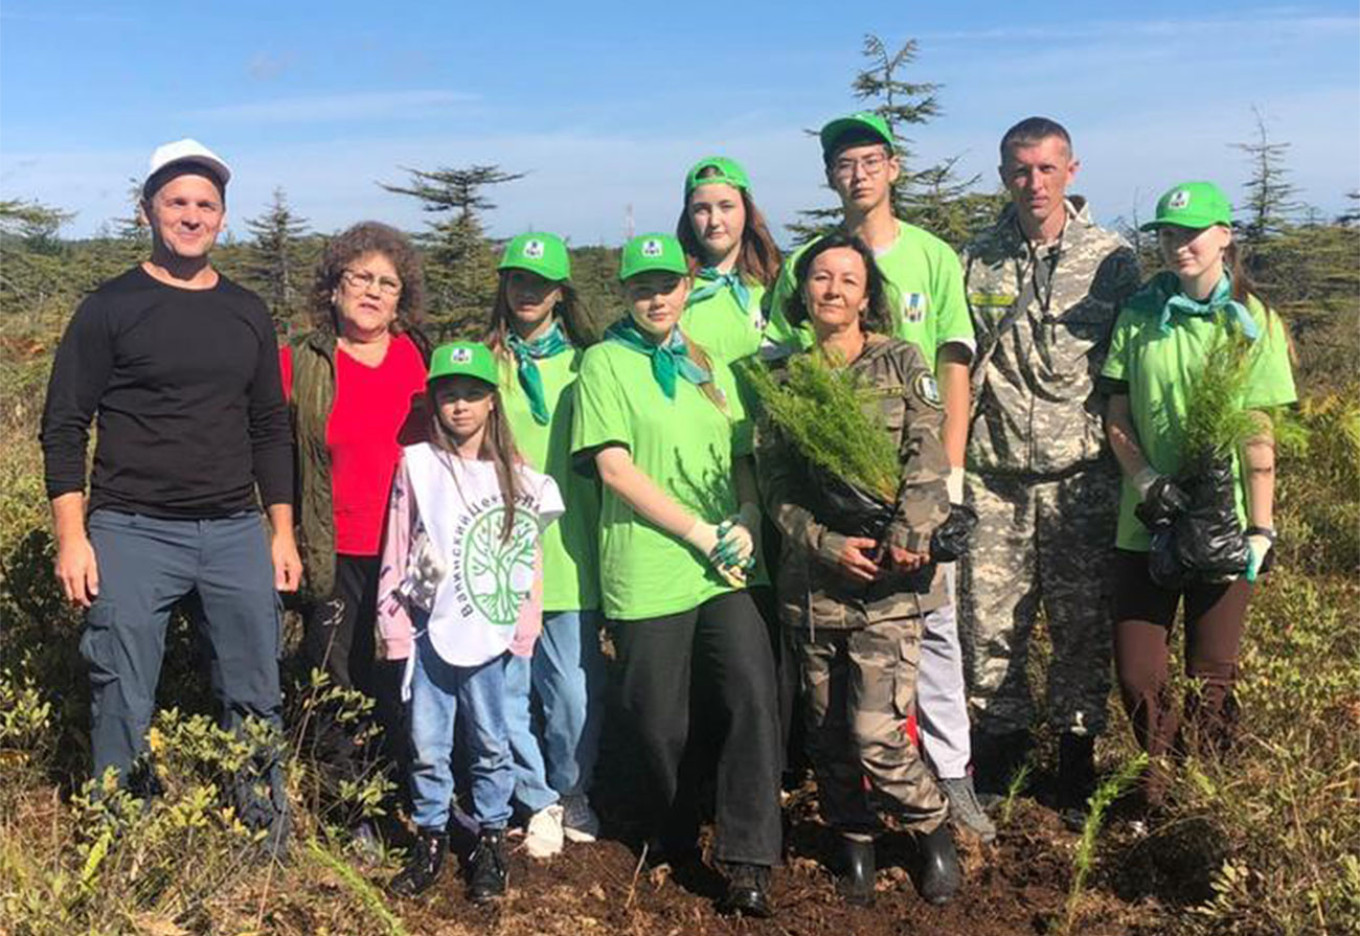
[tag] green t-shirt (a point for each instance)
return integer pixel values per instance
(925, 294)
(1159, 370)
(686, 447)
(722, 327)
(570, 577)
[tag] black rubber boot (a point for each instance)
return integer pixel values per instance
(423, 867)
(1076, 777)
(486, 872)
(748, 890)
(941, 876)
(855, 878)
(996, 760)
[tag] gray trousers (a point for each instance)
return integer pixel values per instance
(145, 566)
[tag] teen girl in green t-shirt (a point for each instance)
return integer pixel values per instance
(661, 423)
(538, 333)
(1162, 340)
(732, 258)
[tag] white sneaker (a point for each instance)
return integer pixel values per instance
(579, 822)
(543, 834)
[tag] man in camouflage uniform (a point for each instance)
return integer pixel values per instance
(858, 644)
(1044, 286)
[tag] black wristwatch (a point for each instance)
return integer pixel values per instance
(1267, 532)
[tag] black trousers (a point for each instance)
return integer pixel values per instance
(339, 640)
(718, 655)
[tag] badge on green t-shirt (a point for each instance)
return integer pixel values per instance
(1159, 369)
(686, 447)
(570, 576)
(925, 292)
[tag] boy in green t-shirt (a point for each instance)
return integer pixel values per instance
(930, 310)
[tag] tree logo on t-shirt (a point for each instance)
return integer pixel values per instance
(497, 573)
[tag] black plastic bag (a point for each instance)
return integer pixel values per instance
(848, 509)
(950, 539)
(1205, 542)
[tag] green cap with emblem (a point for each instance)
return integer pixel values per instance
(648, 252)
(865, 124)
(1192, 205)
(538, 252)
(714, 170)
(471, 358)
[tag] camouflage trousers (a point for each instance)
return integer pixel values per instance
(860, 688)
(1040, 543)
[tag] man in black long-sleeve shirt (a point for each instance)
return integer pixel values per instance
(179, 367)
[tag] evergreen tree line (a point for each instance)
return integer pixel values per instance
(1305, 264)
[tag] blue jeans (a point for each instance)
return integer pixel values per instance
(437, 691)
(566, 674)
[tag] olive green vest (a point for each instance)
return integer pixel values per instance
(311, 399)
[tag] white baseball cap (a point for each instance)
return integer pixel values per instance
(185, 151)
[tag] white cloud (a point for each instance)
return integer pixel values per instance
(395, 105)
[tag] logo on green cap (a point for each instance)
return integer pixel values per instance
(1179, 199)
(533, 249)
(652, 247)
(460, 355)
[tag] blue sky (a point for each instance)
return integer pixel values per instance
(606, 104)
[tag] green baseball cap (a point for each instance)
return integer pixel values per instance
(648, 252)
(1192, 205)
(463, 357)
(538, 252)
(726, 171)
(859, 122)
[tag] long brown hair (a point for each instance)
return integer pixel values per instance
(570, 311)
(758, 260)
(498, 447)
(1244, 287)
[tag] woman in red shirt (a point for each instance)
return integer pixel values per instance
(353, 384)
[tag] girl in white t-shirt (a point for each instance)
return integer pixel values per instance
(458, 589)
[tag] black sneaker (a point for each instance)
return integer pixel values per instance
(486, 871)
(748, 890)
(423, 867)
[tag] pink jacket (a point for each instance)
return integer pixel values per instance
(401, 532)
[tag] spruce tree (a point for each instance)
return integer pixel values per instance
(274, 261)
(933, 197)
(1269, 198)
(460, 270)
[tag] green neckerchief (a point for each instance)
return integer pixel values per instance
(1220, 299)
(670, 358)
(716, 281)
(550, 344)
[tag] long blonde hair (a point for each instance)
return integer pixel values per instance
(498, 447)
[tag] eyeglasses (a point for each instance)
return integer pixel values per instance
(869, 165)
(363, 281)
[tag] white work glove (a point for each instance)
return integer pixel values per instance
(704, 537)
(1144, 480)
(1259, 544)
(738, 544)
(955, 485)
